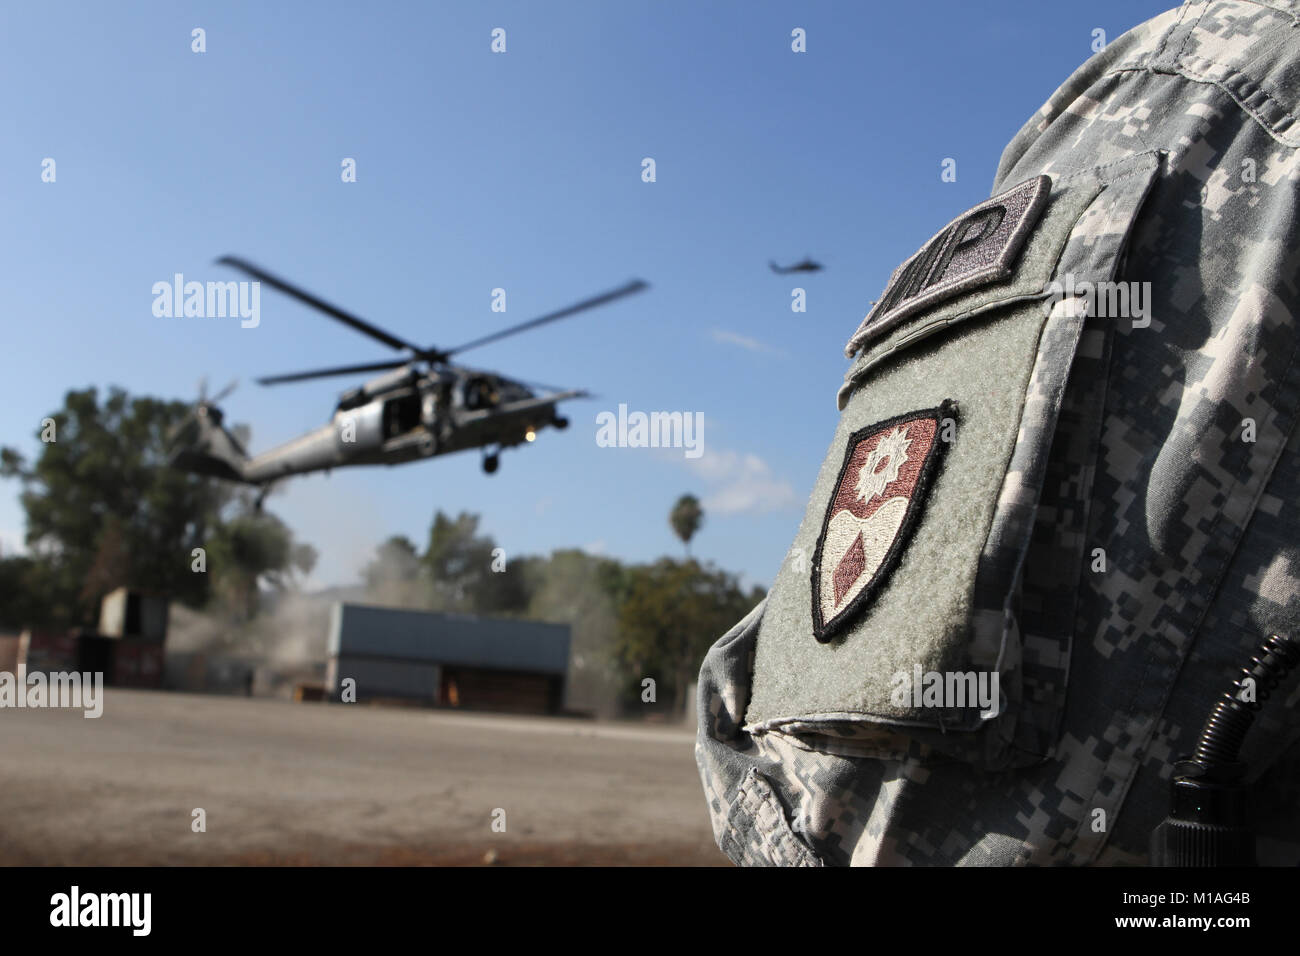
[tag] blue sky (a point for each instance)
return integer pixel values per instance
(522, 171)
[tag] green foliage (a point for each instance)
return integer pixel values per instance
(673, 611)
(23, 582)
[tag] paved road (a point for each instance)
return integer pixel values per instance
(312, 783)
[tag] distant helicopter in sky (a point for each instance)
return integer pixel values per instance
(807, 265)
(422, 406)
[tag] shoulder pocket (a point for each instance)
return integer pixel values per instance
(902, 612)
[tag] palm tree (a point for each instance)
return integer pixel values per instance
(686, 518)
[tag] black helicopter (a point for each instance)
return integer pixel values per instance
(421, 407)
(807, 265)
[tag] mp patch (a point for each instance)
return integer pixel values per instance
(887, 471)
(977, 248)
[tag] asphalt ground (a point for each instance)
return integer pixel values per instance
(285, 783)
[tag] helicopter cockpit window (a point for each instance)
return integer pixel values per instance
(401, 415)
(480, 393)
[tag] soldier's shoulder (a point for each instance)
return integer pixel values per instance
(1247, 50)
(1213, 42)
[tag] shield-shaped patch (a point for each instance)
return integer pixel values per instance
(887, 471)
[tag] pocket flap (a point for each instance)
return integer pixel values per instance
(894, 616)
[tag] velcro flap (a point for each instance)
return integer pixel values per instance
(893, 617)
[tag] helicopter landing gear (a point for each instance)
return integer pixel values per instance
(560, 422)
(491, 462)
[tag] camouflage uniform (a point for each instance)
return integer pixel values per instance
(1131, 541)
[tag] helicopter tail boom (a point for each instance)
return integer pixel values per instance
(203, 445)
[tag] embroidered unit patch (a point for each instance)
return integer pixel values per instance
(876, 501)
(978, 247)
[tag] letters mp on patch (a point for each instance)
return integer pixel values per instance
(978, 247)
(887, 472)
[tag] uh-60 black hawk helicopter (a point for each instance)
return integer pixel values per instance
(423, 406)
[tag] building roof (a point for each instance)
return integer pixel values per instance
(465, 640)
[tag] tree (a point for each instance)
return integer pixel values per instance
(251, 550)
(22, 581)
(672, 613)
(686, 518)
(395, 577)
(582, 590)
(466, 571)
(104, 509)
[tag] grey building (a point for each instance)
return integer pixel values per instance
(448, 660)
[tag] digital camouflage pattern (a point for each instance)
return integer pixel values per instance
(1173, 449)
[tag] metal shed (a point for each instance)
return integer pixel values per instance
(448, 660)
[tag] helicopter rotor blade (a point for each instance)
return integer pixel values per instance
(333, 311)
(224, 392)
(190, 414)
(634, 286)
(326, 372)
